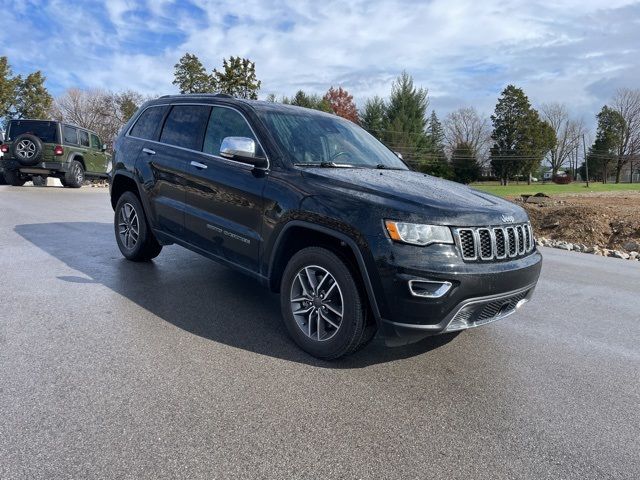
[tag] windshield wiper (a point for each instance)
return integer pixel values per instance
(324, 165)
(382, 166)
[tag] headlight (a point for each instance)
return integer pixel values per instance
(418, 234)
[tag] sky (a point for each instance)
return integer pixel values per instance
(464, 52)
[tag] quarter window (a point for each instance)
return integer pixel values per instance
(70, 135)
(225, 122)
(147, 124)
(83, 137)
(185, 126)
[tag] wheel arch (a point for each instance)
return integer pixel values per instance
(120, 183)
(298, 234)
(78, 158)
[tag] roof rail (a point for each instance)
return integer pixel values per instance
(220, 95)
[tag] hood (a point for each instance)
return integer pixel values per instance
(449, 202)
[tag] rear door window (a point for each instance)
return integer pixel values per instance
(70, 135)
(83, 137)
(225, 122)
(185, 126)
(45, 131)
(148, 123)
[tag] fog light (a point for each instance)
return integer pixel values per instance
(521, 303)
(428, 288)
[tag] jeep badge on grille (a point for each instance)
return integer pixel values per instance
(508, 218)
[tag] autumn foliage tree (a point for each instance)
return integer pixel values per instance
(342, 103)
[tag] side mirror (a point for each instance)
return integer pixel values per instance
(104, 147)
(242, 149)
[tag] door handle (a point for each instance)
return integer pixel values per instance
(149, 151)
(199, 165)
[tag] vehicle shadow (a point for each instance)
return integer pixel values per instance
(194, 294)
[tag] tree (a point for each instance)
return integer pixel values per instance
(373, 116)
(302, 99)
(191, 77)
(99, 110)
(609, 137)
(626, 103)
(237, 78)
(33, 100)
(405, 121)
(464, 163)
(435, 160)
(466, 126)
(342, 103)
(520, 138)
(568, 134)
(8, 88)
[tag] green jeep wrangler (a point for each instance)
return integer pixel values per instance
(37, 149)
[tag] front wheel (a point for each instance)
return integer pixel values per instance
(135, 239)
(322, 305)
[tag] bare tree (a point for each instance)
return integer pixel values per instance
(568, 134)
(627, 103)
(467, 126)
(99, 110)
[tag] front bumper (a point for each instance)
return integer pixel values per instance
(480, 292)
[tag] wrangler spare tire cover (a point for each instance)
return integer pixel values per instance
(27, 149)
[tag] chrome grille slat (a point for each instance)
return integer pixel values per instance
(494, 243)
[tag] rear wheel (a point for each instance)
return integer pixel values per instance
(14, 178)
(135, 239)
(322, 305)
(74, 178)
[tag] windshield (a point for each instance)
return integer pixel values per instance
(314, 139)
(45, 131)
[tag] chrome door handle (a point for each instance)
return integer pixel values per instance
(199, 165)
(149, 151)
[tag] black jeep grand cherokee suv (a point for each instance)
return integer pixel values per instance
(317, 209)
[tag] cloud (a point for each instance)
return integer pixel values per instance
(465, 52)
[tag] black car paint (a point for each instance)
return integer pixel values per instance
(239, 215)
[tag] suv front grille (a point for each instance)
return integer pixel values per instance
(494, 243)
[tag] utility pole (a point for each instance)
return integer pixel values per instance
(586, 163)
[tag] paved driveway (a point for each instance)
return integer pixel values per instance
(182, 369)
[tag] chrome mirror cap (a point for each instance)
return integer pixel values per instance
(232, 147)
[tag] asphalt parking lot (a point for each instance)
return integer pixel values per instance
(182, 369)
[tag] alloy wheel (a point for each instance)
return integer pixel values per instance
(26, 149)
(129, 226)
(317, 303)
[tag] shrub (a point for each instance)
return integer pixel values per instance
(562, 179)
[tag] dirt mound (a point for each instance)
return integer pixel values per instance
(606, 221)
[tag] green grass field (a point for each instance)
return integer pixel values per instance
(553, 189)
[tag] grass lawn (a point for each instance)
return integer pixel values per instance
(514, 190)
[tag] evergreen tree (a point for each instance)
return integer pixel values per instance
(604, 151)
(237, 78)
(302, 99)
(191, 77)
(521, 139)
(34, 100)
(373, 116)
(465, 164)
(406, 120)
(435, 160)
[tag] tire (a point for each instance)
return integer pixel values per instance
(27, 149)
(318, 328)
(39, 181)
(2, 180)
(129, 221)
(74, 177)
(14, 178)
